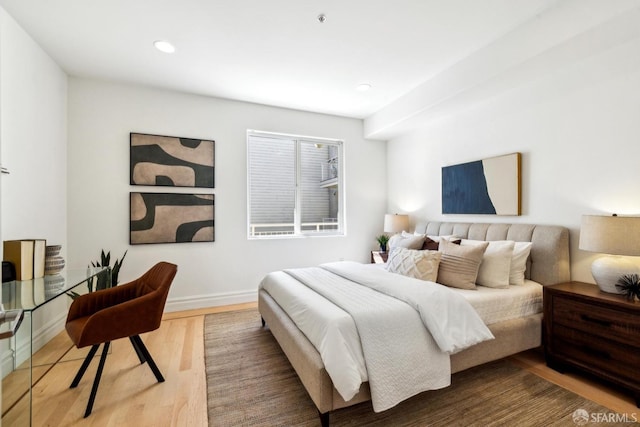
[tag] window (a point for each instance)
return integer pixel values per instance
(294, 186)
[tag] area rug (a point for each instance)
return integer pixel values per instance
(251, 383)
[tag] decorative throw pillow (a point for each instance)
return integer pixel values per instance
(451, 238)
(427, 245)
(496, 262)
(459, 264)
(421, 265)
(521, 252)
(408, 241)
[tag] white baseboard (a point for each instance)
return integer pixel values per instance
(7, 362)
(213, 300)
(40, 337)
(54, 326)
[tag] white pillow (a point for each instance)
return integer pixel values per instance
(438, 238)
(421, 265)
(408, 241)
(494, 271)
(519, 262)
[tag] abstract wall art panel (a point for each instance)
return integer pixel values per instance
(491, 186)
(171, 161)
(171, 218)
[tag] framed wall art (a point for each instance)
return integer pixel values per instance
(171, 161)
(490, 186)
(171, 218)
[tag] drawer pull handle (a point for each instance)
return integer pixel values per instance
(594, 320)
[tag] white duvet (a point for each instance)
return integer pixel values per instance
(404, 329)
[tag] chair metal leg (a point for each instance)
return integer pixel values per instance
(84, 366)
(137, 349)
(96, 381)
(148, 358)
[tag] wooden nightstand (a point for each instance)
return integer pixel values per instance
(378, 257)
(593, 331)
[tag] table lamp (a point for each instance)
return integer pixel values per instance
(396, 223)
(619, 238)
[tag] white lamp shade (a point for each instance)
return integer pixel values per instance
(615, 236)
(395, 223)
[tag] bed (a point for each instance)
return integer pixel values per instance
(547, 264)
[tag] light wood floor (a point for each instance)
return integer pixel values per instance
(129, 395)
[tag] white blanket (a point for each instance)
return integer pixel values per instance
(401, 356)
(451, 319)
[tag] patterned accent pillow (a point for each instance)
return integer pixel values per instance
(421, 265)
(459, 264)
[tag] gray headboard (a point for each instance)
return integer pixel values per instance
(549, 260)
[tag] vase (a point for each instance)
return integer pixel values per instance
(53, 261)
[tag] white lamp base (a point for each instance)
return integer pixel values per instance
(608, 269)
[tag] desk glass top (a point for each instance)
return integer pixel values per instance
(31, 294)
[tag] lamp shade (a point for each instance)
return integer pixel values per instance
(395, 223)
(614, 235)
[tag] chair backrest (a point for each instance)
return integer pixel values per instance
(157, 280)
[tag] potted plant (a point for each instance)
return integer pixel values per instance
(102, 282)
(105, 261)
(382, 240)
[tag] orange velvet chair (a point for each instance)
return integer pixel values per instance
(124, 311)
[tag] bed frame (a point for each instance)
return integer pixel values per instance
(548, 264)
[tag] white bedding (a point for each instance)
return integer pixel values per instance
(497, 305)
(333, 331)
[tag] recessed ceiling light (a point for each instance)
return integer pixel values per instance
(164, 46)
(322, 18)
(363, 87)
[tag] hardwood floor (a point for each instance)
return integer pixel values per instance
(129, 394)
(586, 386)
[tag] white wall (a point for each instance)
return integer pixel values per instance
(33, 118)
(34, 139)
(575, 119)
(101, 115)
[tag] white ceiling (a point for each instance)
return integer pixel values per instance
(272, 52)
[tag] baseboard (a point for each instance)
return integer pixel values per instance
(54, 326)
(214, 300)
(7, 362)
(40, 337)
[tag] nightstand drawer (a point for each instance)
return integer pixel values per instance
(593, 331)
(596, 320)
(597, 354)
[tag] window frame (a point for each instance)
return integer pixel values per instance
(297, 214)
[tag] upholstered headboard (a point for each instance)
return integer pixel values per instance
(549, 259)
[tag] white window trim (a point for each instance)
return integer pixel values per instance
(298, 233)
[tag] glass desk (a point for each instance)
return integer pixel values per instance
(44, 303)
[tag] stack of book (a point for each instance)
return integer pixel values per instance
(27, 256)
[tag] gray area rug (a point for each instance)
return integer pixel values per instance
(251, 383)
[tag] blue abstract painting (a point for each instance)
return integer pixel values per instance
(490, 186)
